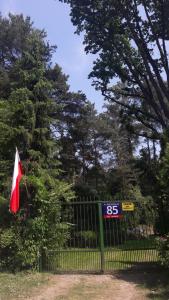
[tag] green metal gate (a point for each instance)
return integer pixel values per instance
(96, 244)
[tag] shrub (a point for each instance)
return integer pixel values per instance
(163, 247)
(86, 239)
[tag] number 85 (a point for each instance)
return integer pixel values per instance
(112, 209)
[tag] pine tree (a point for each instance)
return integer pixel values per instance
(27, 114)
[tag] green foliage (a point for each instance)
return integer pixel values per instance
(163, 192)
(146, 211)
(86, 238)
(27, 116)
(63, 142)
(125, 35)
(163, 247)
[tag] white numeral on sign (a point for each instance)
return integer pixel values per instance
(115, 210)
(112, 210)
(109, 210)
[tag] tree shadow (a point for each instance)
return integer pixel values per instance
(147, 275)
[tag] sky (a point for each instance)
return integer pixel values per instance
(53, 16)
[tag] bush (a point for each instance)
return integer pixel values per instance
(20, 244)
(24, 236)
(163, 247)
(16, 253)
(86, 239)
(7, 246)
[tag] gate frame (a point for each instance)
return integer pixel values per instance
(101, 235)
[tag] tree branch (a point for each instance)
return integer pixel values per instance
(145, 53)
(135, 72)
(163, 52)
(141, 48)
(134, 112)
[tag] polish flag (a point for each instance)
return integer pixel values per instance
(17, 175)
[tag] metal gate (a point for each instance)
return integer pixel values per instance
(98, 243)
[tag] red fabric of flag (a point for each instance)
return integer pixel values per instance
(17, 175)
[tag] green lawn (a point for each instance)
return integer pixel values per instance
(133, 253)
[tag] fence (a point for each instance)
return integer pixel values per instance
(101, 236)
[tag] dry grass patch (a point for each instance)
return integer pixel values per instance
(20, 285)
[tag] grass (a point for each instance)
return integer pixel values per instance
(26, 285)
(150, 285)
(20, 285)
(125, 256)
(144, 244)
(155, 280)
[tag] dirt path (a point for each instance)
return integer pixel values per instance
(90, 287)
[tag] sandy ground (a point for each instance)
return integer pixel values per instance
(88, 287)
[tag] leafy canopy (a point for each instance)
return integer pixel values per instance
(28, 111)
(130, 38)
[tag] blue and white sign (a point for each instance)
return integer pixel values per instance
(111, 210)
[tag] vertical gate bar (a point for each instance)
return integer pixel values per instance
(79, 222)
(96, 230)
(92, 229)
(101, 233)
(39, 261)
(76, 234)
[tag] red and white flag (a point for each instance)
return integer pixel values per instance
(17, 175)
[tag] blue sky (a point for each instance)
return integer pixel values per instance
(53, 16)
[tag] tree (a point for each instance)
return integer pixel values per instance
(79, 132)
(121, 144)
(27, 117)
(130, 38)
(162, 189)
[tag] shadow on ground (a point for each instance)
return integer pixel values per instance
(150, 276)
